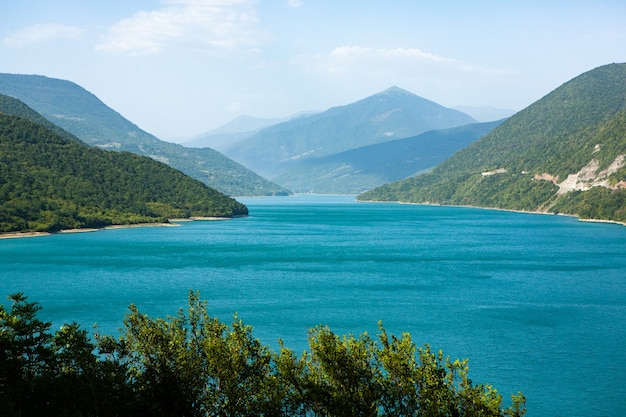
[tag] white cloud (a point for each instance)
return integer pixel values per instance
(294, 3)
(196, 23)
(351, 53)
(351, 59)
(41, 33)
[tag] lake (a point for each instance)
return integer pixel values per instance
(536, 302)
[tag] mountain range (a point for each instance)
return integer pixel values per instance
(308, 152)
(565, 153)
(361, 169)
(51, 180)
(392, 114)
(226, 136)
(84, 115)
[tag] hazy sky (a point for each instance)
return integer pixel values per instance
(181, 67)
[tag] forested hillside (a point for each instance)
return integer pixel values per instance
(357, 170)
(81, 113)
(50, 183)
(14, 107)
(565, 153)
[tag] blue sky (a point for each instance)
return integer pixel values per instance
(178, 68)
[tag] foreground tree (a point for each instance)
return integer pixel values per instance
(352, 376)
(193, 364)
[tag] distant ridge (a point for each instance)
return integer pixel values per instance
(361, 169)
(391, 114)
(81, 113)
(238, 129)
(565, 153)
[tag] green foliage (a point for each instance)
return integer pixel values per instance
(581, 121)
(14, 107)
(597, 203)
(82, 114)
(53, 374)
(192, 364)
(49, 183)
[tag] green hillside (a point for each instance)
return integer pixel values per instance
(564, 153)
(81, 113)
(357, 170)
(14, 107)
(391, 114)
(50, 183)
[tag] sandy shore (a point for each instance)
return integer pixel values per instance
(78, 230)
(131, 226)
(172, 223)
(602, 221)
(14, 235)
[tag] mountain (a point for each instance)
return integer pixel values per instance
(238, 129)
(565, 153)
(227, 135)
(357, 170)
(391, 114)
(50, 182)
(81, 113)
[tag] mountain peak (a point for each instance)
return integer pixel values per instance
(395, 90)
(564, 153)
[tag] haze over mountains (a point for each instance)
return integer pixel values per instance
(226, 136)
(358, 170)
(391, 114)
(84, 115)
(565, 153)
(291, 150)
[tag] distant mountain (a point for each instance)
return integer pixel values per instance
(238, 129)
(84, 115)
(246, 123)
(358, 170)
(50, 182)
(391, 114)
(565, 153)
(232, 132)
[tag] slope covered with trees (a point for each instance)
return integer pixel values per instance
(50, 183)
(193, 364)
(565, 153)
(357, 170)
(81, 113)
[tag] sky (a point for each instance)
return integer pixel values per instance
(179, 68)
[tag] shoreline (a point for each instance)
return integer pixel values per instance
(171, 223)
(616, 222)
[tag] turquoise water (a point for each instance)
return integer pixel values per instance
(537, 303)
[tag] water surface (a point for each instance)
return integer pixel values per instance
(536, 302)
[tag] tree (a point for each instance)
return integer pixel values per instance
(193, 364)
(25, 355)
(352, 376)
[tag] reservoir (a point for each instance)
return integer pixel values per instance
(537, 303)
